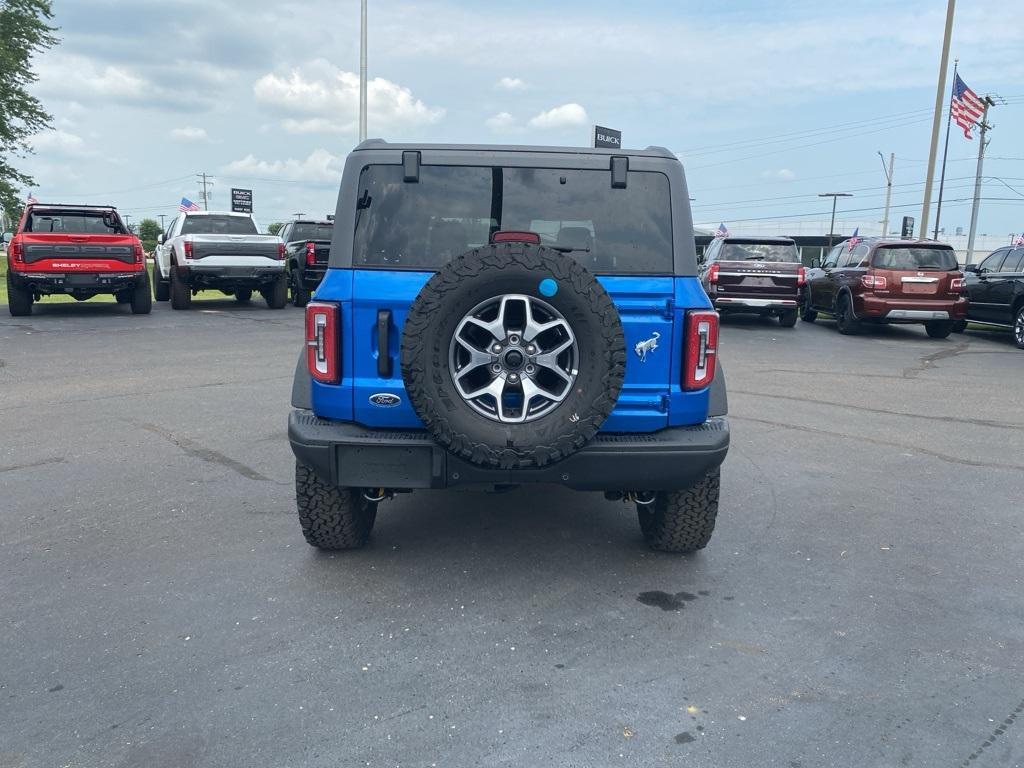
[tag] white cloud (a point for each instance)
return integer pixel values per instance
(782, 174)
(320, 165)
(502, 122)
(61, 143)
(79, 77)
(565, 116)
(188, 133)
(320, 98)
(511, 84)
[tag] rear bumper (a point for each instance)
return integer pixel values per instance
(743, 302)
(904, 311)
(202, 276)
(77, 282)
(311, 277)
(349, 455)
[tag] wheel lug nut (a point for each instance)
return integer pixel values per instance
(513, 377)
(496, 348)
(531, 349)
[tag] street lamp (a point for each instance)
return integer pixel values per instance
(833, 195)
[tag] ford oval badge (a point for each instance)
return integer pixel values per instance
(385, 400)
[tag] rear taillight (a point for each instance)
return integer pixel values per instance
(957, 284)
(187, 248)
(700, 349)
(139, 255)
(310, 254)
(280, 251)
(713, 274)
(801, 276)
(323, 353)
(15, 250)
(874, 282)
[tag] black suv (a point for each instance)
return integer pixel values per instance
(996, 290)
(760, 275)
(307, 246)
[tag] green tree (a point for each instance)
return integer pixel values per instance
(24, 32)
(275, 227)
(148, 231)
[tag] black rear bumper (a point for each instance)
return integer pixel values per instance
(349, 455)
(220, 278)
(77, 282)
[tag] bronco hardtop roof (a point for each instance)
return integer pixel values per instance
(518, 148)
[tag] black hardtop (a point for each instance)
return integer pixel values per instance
(380, 152)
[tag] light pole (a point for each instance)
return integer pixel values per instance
(833, 195)
(888, 189)
(362, 72)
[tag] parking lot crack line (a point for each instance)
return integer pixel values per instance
(873, 441)
(927, 361)
(193, 449)
(29, 465)
(883, 411)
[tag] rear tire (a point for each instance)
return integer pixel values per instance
(939, 329)
(123, 297)
(846, 323)
(1018, 328)
(959, 326)
(276, 295)
(332, 518)
(19, 301)
(788, 318)
(140, 298)
(243, 295)
(181, 294)
(682, 521)
(807, 313)
(161, 288)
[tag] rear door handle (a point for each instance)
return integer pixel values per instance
(384, 343)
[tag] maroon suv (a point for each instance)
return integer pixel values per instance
(760, 275)
(875, 280)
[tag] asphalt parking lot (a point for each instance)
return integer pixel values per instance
(861, 603)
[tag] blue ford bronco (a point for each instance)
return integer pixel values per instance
(498, 316)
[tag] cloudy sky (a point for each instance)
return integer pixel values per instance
(767, 103)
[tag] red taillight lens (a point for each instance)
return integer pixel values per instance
(801, 276)
(310, 254)
(713, 274)
(280, 251)
(510, 236)
(700, 349)
(187, 248)
(323, 352)
(957, 284)
(15, 251)
(874, 282)
(138, 253)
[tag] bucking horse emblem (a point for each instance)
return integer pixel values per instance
(647, 345)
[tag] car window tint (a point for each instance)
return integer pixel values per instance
(747, 251)
(304, 231)
(74, 222)
(911, 257)
(833, 256)
(455, 208)
(992, 262)
(219, 225)
(1014, 261)
(856, 256)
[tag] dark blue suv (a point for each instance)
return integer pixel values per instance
(497, 316)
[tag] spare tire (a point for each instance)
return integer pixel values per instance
(513, 356)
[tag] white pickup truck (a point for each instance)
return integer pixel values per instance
(213, 250)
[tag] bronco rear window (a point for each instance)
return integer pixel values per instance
(218, 225)
(914, 257)
(451, 209)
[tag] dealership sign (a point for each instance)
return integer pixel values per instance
(241, 200)
(608, 138)
(908, 227)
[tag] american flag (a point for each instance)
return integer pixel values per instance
(31, 199)
(186, 205)
(721, 231)
(1019, 239)
(965, 106)
(854, 239)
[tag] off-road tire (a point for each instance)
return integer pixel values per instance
(787, 319)
(19, 301)
(181, 294)
(480, 275)
(332, 518)
(243, 295)
(939, 329)
(140, 298)
(807, 313)
(1018, 327)
(161, 288)
(682, 521)
(846, 323)
(276, 294)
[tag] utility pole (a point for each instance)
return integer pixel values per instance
(888, 190)
(834, 196)
(940, 93)
(205, 182)
(162, 217)
(362, 72)
(298, 215)
(987, 101)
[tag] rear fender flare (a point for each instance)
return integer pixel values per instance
(718, 401)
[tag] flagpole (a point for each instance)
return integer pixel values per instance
(945, 151)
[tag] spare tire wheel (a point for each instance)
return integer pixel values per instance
(513, 356)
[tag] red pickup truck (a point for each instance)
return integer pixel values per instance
(80, 250)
